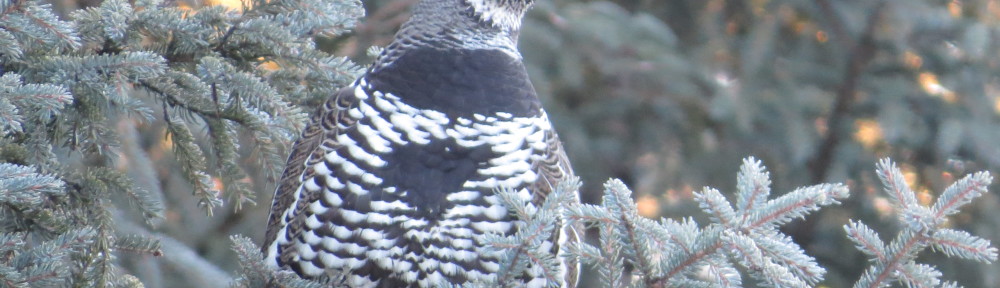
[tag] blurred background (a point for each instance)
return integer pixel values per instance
(671, 95)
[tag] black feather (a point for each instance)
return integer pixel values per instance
(459, 83)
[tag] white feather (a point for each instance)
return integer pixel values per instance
(310, 185)
(495, 212)
(385, 129)
(342, 233)
(352, 217)
(381, 219)
(330, 244)
(371, 234)
(371, 179)
(492, 227)
(377, 142)
(356, 189)
(351, 168)
(305, 251)
(309, 269)
(382, 104)
(490, 266)
(359, 90)
(462, 196)
(463, 211)
(430, 126)
(330, 260)
(335, 184)
(450, 269)
(321, 169)
(381, 206)
(313, 223)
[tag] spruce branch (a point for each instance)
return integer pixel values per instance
(254, 273)
(669, 253)
(43, 101)
(866, 240)
(35, 27)
(620, 198)
(922, 227)
(961, 193)
(43, 264)
(528, 251)
(895, 185)
(76, 78)
(22, 187)
(104, 181)
(192, 165)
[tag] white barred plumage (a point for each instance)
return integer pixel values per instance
(394, 178)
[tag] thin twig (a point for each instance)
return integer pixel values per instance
(174, 101)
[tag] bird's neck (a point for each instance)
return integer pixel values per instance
(504, 14)
(442, 25)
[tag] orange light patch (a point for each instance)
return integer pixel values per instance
(231, 4)
(731, 28)
(168, 141)
(800, 26)
(924, 197)
(911, 177)
(912, 60)
(993, 8)
(996, 104)
(184, 6)
(822, 37)
(820, 125)
(217, 184)
(955, 8)
(869, 133)
(932, 86)
(648, 206)
(882, 206)
(270, 66)
(947, 177)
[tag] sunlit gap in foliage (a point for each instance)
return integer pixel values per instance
(929, 82)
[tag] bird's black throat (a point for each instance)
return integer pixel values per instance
(459, 82)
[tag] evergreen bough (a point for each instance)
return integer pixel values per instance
(634, 251)
(672, 253)
(922, 227)
(221, 81)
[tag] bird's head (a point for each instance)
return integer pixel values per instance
(504, 14)
(459, 24)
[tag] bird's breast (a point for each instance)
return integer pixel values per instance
(409, 186)
(424, 158)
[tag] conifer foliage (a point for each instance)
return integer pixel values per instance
(218, 79)
(922, 227)
(744, 237)
(672, 253)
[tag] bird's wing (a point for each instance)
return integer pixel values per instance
(324, 125)
(552, 170)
